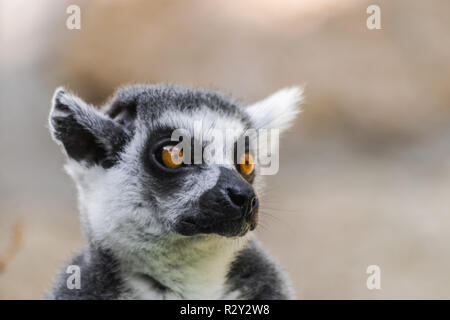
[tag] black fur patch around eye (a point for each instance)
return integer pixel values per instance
(151, 157)
(163, 180)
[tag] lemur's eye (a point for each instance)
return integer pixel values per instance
(246, 164)
(172, 157)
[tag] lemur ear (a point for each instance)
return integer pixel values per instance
(277, 111)
(86, 134)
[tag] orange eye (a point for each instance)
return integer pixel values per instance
(172, 157)
(247, 164)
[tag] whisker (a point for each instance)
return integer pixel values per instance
(281, 209)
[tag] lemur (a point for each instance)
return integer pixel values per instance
(157, 228)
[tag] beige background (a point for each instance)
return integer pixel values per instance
(365, 173)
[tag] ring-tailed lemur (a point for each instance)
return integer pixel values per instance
(157, 229)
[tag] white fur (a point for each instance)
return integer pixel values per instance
(277, 111)
(191, 268)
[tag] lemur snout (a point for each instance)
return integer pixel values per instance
(245, 201)
(230, 208)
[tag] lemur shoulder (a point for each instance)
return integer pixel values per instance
(157, 227)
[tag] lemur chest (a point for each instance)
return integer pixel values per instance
(196, 270)
(207, 287)
(205, 280)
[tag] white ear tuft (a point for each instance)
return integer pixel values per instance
(277, 111)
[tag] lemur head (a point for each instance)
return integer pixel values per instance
(132, 185)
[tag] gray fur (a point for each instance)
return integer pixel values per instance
(134, 213)
(256, 276)
(100, 278)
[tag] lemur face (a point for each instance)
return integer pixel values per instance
(135, 182)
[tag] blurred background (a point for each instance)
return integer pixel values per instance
(364, 175)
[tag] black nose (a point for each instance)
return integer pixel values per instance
(232, 198)
(243, 199)
(228, 209)
(237, 197)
